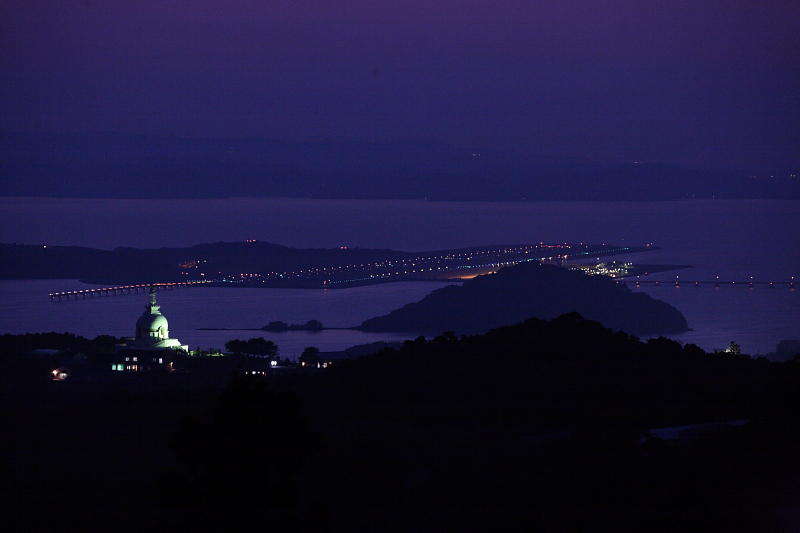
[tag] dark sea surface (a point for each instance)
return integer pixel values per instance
(26, 307)
(735, 240)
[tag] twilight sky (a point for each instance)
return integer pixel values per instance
(712, 83)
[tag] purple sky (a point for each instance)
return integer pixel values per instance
(712, 83)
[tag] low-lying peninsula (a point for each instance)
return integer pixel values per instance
(258, 264)
(529, 290)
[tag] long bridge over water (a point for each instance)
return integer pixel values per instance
(121, 289)
(455, 265)
(133, 289)
(716, 283)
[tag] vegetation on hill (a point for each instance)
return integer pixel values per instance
(21, 344)
(279, 326)
(530, 290)
(257, 346)
(547, 423)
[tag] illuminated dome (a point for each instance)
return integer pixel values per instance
(153, 326)
(152, 330)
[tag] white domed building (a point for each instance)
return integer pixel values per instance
(152, 330)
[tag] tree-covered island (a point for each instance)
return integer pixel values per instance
(527, 290)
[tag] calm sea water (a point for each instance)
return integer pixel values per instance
(26, 307)
(730, 239)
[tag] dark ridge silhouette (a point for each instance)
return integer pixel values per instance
(108, 165)
(545, 424)
(261, 264)
(531, 290)
(133, 265)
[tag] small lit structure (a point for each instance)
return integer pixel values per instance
(322, 359)
(61, 373)
(128, 360)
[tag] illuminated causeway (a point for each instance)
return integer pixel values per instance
(716, 283)
(429, 266)
(439, 265)
(122, 289)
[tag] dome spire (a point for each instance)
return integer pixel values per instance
(152, 307)
(152, 329)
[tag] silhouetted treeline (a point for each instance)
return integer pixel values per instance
(20, 344)
(255, 346)
(527, 290)
(277, 325)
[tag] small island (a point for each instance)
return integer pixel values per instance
(278, 326)
(529, 290)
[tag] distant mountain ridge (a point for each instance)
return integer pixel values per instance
(108, 165)
(133, 265)
(531, 290)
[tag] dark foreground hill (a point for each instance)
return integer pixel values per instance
(531, 290)
(541, 426)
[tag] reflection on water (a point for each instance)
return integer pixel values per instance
(755, 318)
